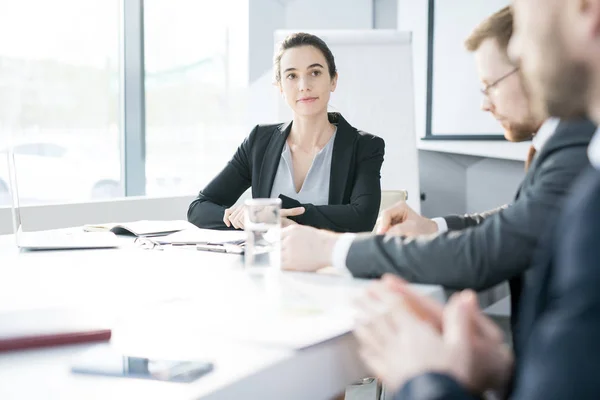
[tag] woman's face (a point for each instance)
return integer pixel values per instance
(305, 82)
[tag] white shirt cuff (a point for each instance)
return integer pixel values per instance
(441, 224)
(340, 252)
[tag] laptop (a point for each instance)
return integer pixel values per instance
(51, 240)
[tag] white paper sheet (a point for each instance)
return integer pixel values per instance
(202, 236)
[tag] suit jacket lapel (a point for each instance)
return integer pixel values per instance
(567, 133)
(271, 159)
(341, 158)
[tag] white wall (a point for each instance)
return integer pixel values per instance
(412, 17)
(385, 14)
(266, 16)
(329, 14)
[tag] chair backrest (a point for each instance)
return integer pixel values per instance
(391, 197)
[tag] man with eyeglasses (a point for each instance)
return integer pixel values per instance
(475, 251)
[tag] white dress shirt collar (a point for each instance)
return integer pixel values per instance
(594, 150)
(544, 133)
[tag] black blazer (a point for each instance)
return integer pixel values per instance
(354, 188)
(560, 314)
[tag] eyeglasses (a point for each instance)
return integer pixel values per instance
(487, 88)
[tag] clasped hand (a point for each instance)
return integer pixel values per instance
(235, 216)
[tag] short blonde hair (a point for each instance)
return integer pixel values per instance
(497, 26)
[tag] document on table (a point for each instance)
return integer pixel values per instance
(203, 236)
(143, 228)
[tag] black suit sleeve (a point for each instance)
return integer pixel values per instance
(482, 256)
(225, 189)
(433, 386)
(361, 213)
(561, 357)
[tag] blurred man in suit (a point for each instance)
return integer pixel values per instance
(459, 355)
(472, 251)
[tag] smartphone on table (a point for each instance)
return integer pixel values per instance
(106, 361)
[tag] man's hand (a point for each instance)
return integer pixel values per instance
(290, 212)
(424, 307)
(400, 219)
(396, 344)
(474, 339)
(403, 339)
(306, 249)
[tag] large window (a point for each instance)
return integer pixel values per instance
(59, 98)
(61, 95)
(196, 65)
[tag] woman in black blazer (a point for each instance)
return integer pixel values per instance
(354, 191)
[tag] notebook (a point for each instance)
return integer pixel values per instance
(198, 236)
(144, 228)
(25, 329)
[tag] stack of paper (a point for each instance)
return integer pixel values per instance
(203, 236)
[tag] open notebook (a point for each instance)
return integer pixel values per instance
(142, 228)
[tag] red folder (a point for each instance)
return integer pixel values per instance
(27, 329)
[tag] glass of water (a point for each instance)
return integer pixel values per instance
(263, 229)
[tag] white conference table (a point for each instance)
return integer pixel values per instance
(163, 304)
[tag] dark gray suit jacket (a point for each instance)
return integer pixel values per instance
(560, 316)
(483, 250)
